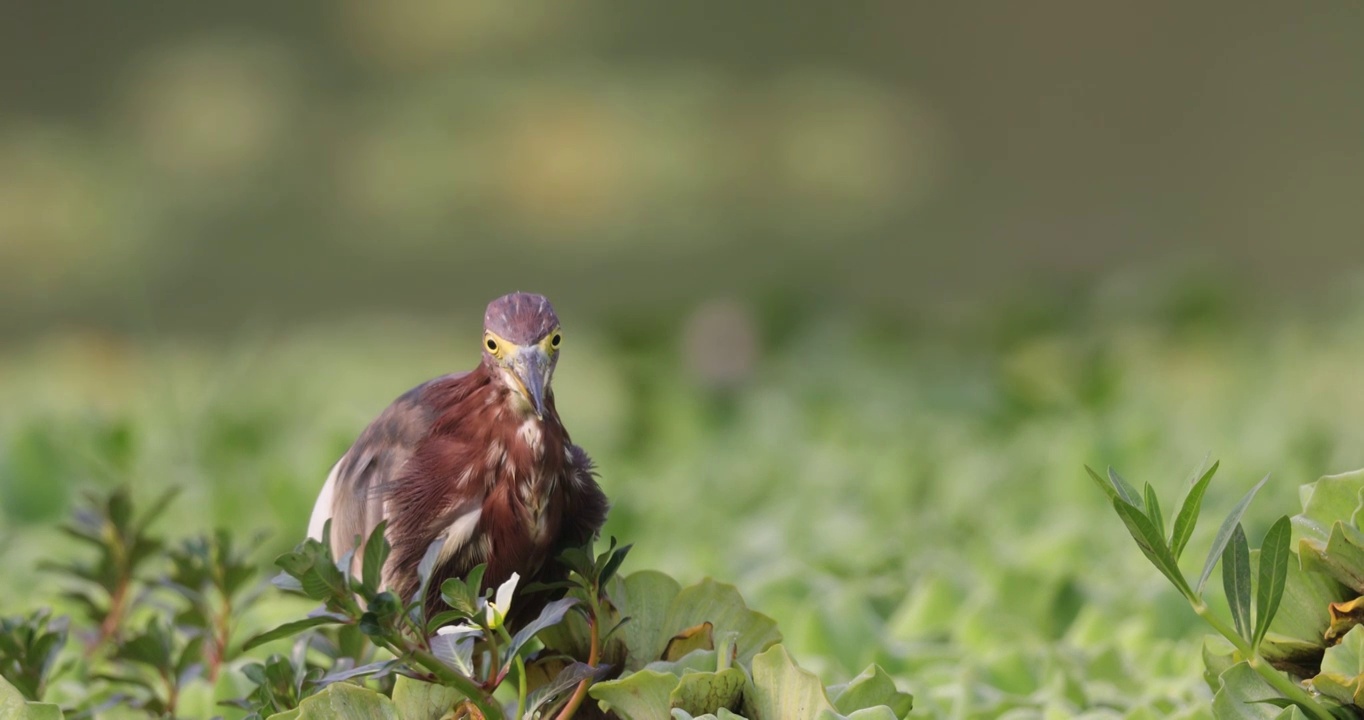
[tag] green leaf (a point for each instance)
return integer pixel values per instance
(1153, 510)
(291, 628)
(1241, 693)
(157, 507)
(42, 711)
(1329, 500)
(1187, 518)
(12, 701)
(1341, 557)
(721, 605)
(550, 615)
(376, 552)
(456, 594)
(781, 689)
(417, 700)
(563, 683)
(708, 692)
(871, 688)
(1224, 534)
(1342, 669)
(1236, 581)
(344, 701)
(1274, 558)
(645, 597)
(644, 695)
(1152, 544)
(1103, 484)
(1125, 490)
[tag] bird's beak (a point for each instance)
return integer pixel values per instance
(531, 367)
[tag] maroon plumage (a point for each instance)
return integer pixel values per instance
(478, 460)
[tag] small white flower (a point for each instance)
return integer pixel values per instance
(500, 605)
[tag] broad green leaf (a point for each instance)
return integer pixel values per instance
(1341, 557)
(781, 689)
(286, 715)
(1187, 518)
(879, 712)
(417, 700)
(1125, 490)
(1342, 669)
(680, 714)
(290, 628)
(1240, 695)
(376, 552)
(871, 688)
(1274, 559)
(40, 711)
(344, 701)
(1331, 499)
(643, 695)
(12, 701)
(645, 597)
(694, 661)
(1236, 581)
(701, 637)
(1219, 543)
(1152, 544)
(708, 692)
(1153, 510)
(722, 606)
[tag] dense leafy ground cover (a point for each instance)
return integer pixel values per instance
(908, 494)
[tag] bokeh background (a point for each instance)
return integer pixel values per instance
(851, 290)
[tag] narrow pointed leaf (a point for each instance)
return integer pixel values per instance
(1188, 513)
(1103, 484)
(1152, 544)
(1125, 490)
(1274, 558)
(552, 614)
(291, 628)
(376, 552)
(1224, 534)
(1153, 510)
(1236, 580)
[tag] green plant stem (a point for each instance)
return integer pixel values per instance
(491, 710)
(1281, 682)
(581, 691)
(520, 686)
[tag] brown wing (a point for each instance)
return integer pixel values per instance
(353, 496)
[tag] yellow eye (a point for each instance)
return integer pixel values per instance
(554, 341)
(491, 344)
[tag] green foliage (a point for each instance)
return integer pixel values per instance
(29, 647)
(1298, 622)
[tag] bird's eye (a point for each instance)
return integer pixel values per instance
(554, 341)
(491, 344)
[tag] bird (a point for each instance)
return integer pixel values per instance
(479, 461)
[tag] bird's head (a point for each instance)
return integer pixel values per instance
(521, 339)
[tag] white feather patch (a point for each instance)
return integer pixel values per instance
(323, 508)
(530, 433)
(458, 534)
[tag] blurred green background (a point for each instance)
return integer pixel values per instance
(851, 290)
